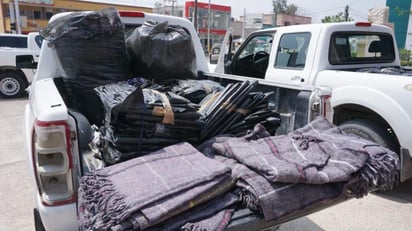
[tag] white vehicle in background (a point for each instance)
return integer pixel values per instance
(19, 55)
(371, 92)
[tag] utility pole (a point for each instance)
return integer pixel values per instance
(243, 24)
(195, 16)
(208, 28)
(346, 13)
(12, 18)
(173, 7)
(18, 23)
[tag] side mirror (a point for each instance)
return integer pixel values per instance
(213, 58)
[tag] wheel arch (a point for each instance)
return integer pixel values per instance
(361, 102)
(346, 112)
(4, 69)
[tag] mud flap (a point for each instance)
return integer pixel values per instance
(406, 164)
(38, 224)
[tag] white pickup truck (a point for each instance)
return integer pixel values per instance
(19, 55)
(57, 136)
(358, 60)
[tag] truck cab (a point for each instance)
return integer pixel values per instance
(358, 60)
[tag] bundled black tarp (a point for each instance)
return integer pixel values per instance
(237, 109)
(90, 46)
(196, 90)
(142, 116)
(139, 121)
(91, 49)
(161, 51)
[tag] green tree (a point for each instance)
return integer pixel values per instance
(404, 56)
(282, 7)
(339, 17)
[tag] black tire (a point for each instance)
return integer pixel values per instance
(371, 131)
(38, 224)
(12, 85)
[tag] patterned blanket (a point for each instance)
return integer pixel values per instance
(318, 153)
(180, 187)
(145, 191)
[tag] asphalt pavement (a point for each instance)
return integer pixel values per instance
(377, 211)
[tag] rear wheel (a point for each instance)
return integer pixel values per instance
(12, 85)
(371, 131)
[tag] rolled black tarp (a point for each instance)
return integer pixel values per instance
(90, 46)
(161, 51)
(91, 49)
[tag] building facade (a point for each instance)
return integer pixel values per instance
(212, 21)
(400, 16)
(34, 14)
(285, 20)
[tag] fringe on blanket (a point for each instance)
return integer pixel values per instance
(380, 172)
(103, 201)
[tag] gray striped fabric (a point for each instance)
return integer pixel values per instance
(274, 200)
(150, 189)
(318, 153)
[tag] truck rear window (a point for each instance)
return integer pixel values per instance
(357, 48)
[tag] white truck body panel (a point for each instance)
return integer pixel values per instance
(391, 101)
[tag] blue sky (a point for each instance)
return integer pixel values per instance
(317, 9)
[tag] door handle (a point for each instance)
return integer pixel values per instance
(297, 78)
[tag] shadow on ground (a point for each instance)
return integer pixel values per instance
(400, 194)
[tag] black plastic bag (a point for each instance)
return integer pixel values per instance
(90, 46)
(160, 51)
(91, 49)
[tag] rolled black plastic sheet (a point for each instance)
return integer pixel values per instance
(236, 110)
(196, 90)
(161, 51)
(139, 121)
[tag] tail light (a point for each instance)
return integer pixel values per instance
(133, 14)
(363, 24)
(53, 162)
(322, 105)
(326, 109)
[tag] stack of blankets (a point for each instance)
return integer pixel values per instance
(181, 187)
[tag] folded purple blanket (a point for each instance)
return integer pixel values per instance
(274, 200)
(145, 191)
(318, 153)
(273, 173)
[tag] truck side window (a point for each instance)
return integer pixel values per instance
(292, 50)
(256, 44)
(39, 40)
(252, 57)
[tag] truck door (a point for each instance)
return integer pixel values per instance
(250, 58)
(28, 62)
(289, 59)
